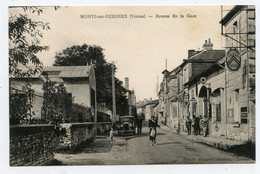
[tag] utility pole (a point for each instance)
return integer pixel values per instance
(113, 93)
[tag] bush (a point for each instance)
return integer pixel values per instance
(80, 114)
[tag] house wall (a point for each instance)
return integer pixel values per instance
(214, 81)
(173, 115)
(239, 87)
(80, 90)
(148, 112)
(36, 84)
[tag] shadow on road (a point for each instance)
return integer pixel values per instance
(245, 150)
(146, 134)
(100, 145)
(158, 144)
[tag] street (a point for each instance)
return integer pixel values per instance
(137, 150)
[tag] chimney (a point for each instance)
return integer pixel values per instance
(127, 83)
(190, 53)
(207, 45)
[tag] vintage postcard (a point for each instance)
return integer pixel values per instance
(132, 85)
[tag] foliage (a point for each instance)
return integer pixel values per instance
(57, 102)
(89, 55)
(81, 114)
(24, 44)
(103, 117)
(21, 104)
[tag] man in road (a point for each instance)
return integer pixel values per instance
(140, 119)
(206, 126)
(188, 125)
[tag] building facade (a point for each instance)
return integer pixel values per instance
(219, 84)
(238, 29)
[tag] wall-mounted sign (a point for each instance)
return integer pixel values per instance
(203, 80)
(233, 60)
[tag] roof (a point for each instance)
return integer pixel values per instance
(68, 71)
(61, 71)
(153, 102)
(231, 14)
(213, 55)
(213, 68)
(206, 56)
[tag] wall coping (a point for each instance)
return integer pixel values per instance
(103, 122)
(17, 130)
(32, 125)
(78, 125)
(84, 123)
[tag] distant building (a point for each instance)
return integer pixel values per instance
(174, 96)
(149, 109)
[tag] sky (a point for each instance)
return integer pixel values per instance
(139, 46)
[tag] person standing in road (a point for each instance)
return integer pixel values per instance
(201, 125)
(152, 132)
(111, 134)
(139, 123)
(206, 126)
(188, 125)
(197, 125)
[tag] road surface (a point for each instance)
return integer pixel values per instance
(137, 150)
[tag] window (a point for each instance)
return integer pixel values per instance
(244, 115)
(218, 112)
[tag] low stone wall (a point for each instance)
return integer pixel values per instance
(32, 145)
(75, 135)
(103, 128)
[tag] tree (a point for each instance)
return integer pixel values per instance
(57, 102)
(88, 55)
(24, 44)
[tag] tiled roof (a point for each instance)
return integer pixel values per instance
(209, 55)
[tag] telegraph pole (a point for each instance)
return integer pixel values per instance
(113, 93)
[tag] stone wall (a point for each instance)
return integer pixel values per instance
(32, 145)
(75, 135)
(103, 128)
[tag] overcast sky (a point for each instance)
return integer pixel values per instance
(138, 46)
